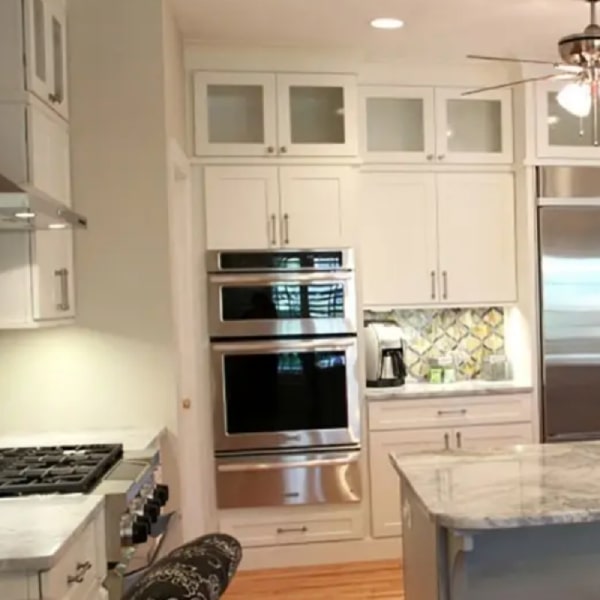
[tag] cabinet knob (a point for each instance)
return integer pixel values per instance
(283, 149)
(429, 157)
(441, 156)
(270, 149)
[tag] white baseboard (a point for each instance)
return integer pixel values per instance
(273, 557)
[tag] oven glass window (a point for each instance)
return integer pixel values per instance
(281, 261)
(291, 391)
(283, 301)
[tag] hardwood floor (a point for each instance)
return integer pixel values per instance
(354, 581)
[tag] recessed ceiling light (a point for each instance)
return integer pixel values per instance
(387, 23)
(57, 226)
(25, 215)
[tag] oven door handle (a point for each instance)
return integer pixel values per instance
(282, 345)
(268, 463)
(242, 279)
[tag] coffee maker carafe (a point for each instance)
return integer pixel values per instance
(384, 354)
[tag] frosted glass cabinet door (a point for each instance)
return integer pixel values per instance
(397, 124)
(561, 134)
(474, 129)
(317, 115)
(235, 114)
(38, 44)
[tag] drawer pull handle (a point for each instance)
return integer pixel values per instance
(303, 529)
(82, 569)
(455, 411)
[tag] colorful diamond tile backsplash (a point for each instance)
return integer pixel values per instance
(468, 335)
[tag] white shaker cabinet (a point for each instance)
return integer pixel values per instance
(277, 207)
(476, 238)
(437, 239)
(33, 50)
(398, 239)
(427, 125)
(269, 114)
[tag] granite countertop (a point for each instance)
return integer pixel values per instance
(36, 530)
(132, 439)
(415, 390)
(530, 485)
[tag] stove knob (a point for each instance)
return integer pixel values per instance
(152, 510)
(161, 494)
(140, 530)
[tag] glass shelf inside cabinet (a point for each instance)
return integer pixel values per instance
(317, 115)
(395, 125)
(565, 129)
(235, 114)
(474, 126)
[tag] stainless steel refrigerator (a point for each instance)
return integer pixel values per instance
(569, 255)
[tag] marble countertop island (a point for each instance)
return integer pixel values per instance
(522, 486)
(35, 530)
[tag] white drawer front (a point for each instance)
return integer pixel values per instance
(317, 527)
(449, 412)
(19, 587)
(77, 571)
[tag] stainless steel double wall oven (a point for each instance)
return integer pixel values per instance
(285, 382)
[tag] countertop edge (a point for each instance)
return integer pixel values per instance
(372, 396)
(46, 562)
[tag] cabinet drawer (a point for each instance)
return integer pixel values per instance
(81, 560)
(443, 412)
(301, 529)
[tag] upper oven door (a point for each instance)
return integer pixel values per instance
(282, 304)
(285, 394)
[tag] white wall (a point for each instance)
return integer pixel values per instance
(117, 367)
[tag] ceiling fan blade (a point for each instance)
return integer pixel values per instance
(507, 59)
(518, 82)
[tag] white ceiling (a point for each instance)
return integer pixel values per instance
(434, 28)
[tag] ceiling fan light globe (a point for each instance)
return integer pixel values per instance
(576, 98)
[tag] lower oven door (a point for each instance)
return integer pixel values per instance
(281, 394)
(291, 479)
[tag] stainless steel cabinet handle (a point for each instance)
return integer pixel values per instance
(63, 274)
(459, 439)
(283, 149)
(445, 284)
(303, 529)
(453, 411)
(286, 228)
(273, 229)
(433, 291)
(446, 441)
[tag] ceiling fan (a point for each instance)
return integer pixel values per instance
(579, 67)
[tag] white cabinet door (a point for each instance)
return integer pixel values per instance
(49, 155)
(398, 238)
(57, 35)
(38, 48)
(242, 207)
(476, 237)
(397, 124)
(315, 205)
(235, 114)
(559, 133)
(474, 129)
(52, 275)
(317, 115)
(385, 484)
(492, 436)
(98, 593)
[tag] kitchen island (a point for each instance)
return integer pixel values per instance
(520, 523)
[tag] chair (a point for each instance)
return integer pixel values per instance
(199, 570)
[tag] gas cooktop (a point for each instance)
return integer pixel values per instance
(55, 469)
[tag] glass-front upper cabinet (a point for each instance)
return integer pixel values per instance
(46, 52)
(397, 124)
(263, 114)
(561, 134)
(475, 128)
(435, 125)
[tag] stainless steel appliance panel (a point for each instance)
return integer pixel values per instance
(568, 182)
(570, 292)
(282, 394)
(281, 304)
(277, 480)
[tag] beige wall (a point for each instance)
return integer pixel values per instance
(117, 367)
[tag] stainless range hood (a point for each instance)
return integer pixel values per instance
(24, 208)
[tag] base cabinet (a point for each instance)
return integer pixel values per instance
(385, 486)
(277, 207)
